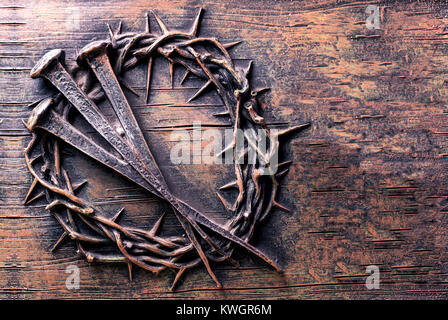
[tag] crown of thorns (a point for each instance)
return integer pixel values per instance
(98, 75)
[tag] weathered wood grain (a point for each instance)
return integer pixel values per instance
(368, 183)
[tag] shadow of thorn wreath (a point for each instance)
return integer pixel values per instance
(98, 75)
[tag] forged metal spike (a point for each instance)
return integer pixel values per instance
(187, 72)
(292, 129)
(195, 26)
(148, 78)
(118, 215)
(200, 91)
(30, 190)
(280, 206)
(95, 54)
(230, 45)
(45, 118)
(64, 236)
(160, 23)
(229, 185)
(51, 68)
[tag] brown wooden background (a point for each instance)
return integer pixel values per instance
(369, 179)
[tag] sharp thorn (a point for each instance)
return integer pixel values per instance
(194, 28)
(59, 242)
(177, 278)
(198, 93)
(172, 75)
(148, 78)
(109, 28)
(222, 114)
(120, 25)
(35, 103)
(230, 45)
(156, 226)
(147, 23)
(117, 215)
(111, 34)
(130, 270)
(282, 207)
(282, 173)
(160, 22)
(229, 185)
(187, 225)
(35, 158)
(285, 163)
(187, 72)
(257, 92)
(40, 195)
(57, 158)
(30, 190)
(230, 146)
(249, 67)
(79, 185)
(128, 87)
(243, 154)
(292, 129)
(67, 181)
(225, 202)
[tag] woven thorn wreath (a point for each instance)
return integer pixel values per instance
(98, 75)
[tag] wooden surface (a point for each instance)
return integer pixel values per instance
(368, 183)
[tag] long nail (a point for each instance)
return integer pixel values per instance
(50, 67)
(45, 118)
(95, 54)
